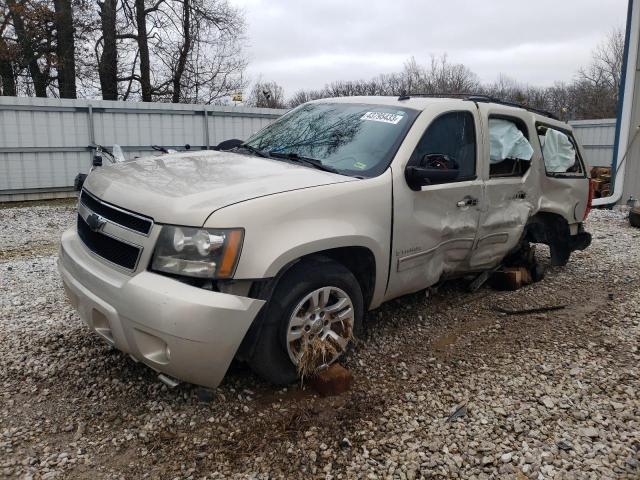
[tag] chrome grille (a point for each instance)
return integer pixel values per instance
(109, 248)
(124, 218)
(113, 233)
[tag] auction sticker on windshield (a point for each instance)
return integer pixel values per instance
(382, 117)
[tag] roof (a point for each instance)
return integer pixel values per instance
(417, 103)
(421, 102)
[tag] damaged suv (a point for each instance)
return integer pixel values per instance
(273, 251)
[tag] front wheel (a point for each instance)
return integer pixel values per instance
(310, 322)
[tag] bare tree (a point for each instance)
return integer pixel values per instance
(108, 57)
(65, 49)
(439, 76)
(139, 16)
(598, 83)
(304, 96)
(605, 68)
(205, 62)
(142, 37)
(31, 24)
(7, 74)
(186, 50)
(183, 51)
(266, 95)
(8, 57)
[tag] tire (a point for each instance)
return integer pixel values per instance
(537, 272)
(560, 253)
(272, 358)
(634, 217)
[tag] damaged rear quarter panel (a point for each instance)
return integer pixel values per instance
(565, 196)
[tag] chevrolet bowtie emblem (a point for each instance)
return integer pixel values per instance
(95, 222)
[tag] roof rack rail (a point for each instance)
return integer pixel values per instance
(473, 97)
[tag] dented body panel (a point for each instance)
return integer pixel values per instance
(432, 236)
(509, 202)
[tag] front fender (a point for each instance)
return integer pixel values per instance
(283, 227)
(302, 250)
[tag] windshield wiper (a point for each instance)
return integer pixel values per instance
(254, 150)
(311, 162)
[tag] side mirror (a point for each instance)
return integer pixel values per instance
(419, 176)
(97, 160)
(433, 168)
(228, 144)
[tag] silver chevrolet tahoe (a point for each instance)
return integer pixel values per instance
(278, 246)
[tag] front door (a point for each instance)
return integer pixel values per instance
(434, 227)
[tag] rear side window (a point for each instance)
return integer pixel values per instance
(449, 142)
(560, 152)
(510, 151)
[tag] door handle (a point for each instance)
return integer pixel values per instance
(467, 202)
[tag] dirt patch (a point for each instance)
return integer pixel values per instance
(58, 202)
(29, 251)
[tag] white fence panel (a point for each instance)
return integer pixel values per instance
(597, 138)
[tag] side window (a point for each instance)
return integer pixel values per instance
(449, 143)
(510, 150)
(559, 152)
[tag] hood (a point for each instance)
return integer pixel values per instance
(185, 188)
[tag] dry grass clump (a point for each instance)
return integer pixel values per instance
(318, 352)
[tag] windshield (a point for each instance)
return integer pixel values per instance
(355, 139)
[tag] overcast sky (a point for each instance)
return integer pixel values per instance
(308, 43)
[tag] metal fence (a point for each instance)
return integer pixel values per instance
(597, 138)
(44, 143)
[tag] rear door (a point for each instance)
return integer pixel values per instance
(511, 171)
(434, 227)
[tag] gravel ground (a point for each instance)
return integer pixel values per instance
(552, 395)
(34, 230)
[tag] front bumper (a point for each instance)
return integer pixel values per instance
(182, 331)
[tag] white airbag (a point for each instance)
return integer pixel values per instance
(558, 152)
(506, 141)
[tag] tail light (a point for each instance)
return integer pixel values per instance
(589, 199)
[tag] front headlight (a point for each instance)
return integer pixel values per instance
(197, 252)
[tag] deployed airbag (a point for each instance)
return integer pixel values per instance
(506, 141)
(558, 152)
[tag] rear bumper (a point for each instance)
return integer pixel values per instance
(176, 329)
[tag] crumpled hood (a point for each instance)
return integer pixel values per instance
(185, 188)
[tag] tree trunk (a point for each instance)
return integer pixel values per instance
(184, 51)
(143, 47)
(65, 49)
(108, 61)
(27, 50)
(7, 78)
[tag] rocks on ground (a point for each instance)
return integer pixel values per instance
(444, 387)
